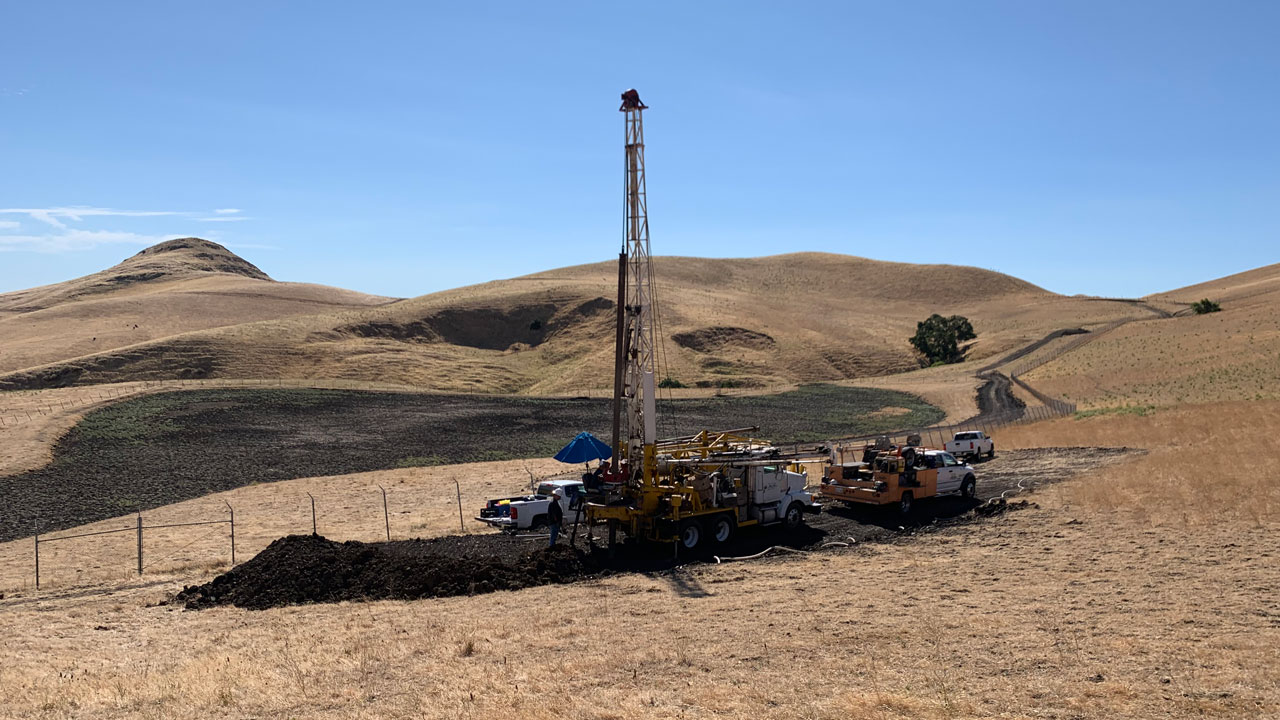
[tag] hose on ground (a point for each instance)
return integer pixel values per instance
(1020, 488)
(760, 554)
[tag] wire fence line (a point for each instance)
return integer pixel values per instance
(150, 551)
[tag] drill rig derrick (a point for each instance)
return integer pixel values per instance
(678, 489)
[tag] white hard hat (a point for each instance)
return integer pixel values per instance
(558, 492)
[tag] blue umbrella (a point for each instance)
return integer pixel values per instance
(584, 448)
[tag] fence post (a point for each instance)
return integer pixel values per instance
(461, 524)
(139, 544)
(233, 532)
(37, 556)
(313, 514)
(386, 516)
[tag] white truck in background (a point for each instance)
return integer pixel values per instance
(529, 512)
(971, 444)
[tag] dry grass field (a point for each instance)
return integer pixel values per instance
(1145, 591)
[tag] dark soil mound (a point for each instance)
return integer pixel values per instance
(309, 568)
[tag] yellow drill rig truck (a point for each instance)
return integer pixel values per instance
(691, 489)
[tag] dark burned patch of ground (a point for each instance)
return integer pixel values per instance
(304, 569)
(169, 447)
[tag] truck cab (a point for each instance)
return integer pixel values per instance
(971, 444)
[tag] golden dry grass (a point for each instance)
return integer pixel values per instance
(197, 286)
(1208, 464)
(1060, 611)
(1228, 355)
(1141, 591)
(830, 317)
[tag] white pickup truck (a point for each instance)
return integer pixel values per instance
(529, 512)
(971, 444)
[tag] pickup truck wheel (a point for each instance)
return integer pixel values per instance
(992, 452)
(690, 534)
(969, 487)
(539, 523)
(904, 505)
(794, 516)
(722, 529)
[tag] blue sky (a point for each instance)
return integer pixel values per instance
(1111, 148)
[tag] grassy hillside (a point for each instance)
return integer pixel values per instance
(168, 289)
(1229, 355)
(725, 323)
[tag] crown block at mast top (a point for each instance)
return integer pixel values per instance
(631, 101)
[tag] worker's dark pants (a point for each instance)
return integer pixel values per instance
(555, 533)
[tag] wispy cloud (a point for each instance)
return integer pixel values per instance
(55, 215)
(73, 240)
(66, 238)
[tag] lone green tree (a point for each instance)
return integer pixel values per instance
(1205, 306)
(938, 338)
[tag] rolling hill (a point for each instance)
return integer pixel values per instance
(201, 312)
(168, 289)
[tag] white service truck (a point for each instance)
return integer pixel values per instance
(971, 444)
(529, 512)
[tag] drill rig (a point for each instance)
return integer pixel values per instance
(689, 489)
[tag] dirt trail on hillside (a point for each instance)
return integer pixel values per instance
(306, 569)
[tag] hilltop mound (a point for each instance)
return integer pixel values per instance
(187, 255)
(167, 261)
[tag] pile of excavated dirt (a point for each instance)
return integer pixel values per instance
(308, 568)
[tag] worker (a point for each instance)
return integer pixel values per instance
(594, 480)
(555, 514)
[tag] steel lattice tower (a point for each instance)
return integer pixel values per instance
(639, 335)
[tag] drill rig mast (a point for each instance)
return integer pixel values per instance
(634, 412)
